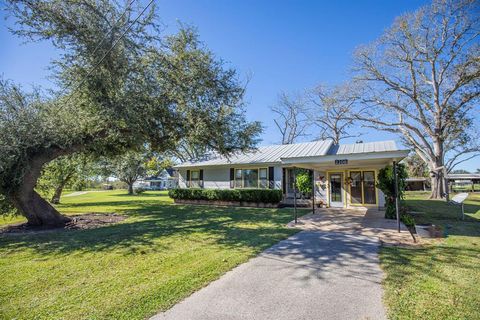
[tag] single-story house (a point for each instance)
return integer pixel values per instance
(166, 179)
(344, 175)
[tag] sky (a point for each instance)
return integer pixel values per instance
(280, 46)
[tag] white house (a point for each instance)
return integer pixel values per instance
(344, 175)
(166, 179)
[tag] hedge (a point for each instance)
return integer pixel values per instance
(245, 195)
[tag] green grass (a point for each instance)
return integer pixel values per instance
(159, 255)
(439, 280)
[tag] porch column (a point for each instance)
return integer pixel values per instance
(313, 191)
(295, 193)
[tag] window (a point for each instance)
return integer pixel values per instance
(356, 186)
(263, 178)
(251, 178)
(369, 187)
(195, 179)
(238, 178)
(362, 187)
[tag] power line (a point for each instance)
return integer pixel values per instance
(110, 49)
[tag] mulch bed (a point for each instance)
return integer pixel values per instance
(78, 222)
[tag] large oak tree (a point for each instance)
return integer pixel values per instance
(118, 85)
(421, 79)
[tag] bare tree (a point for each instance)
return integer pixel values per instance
(331, 111)
(291, 120)
(421, 79)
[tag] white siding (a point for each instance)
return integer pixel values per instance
(216, 178)
(219, 177)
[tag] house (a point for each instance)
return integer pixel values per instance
(166, 179)
(344, 175)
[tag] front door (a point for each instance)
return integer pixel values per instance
(336, 190)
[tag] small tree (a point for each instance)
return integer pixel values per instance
(304, 181)
(386, 183)
(416, 167)
(61, 172)
(130, 167)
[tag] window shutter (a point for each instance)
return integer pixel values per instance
(188, 179)
(284, 180)
(232, 178)
(271, 178)
(201, 178)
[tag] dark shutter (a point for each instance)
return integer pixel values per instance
(232, 178)
(271, 178)
(188, 179)
(284, 180)
(201, 178)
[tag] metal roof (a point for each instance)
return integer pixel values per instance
(275, 153)
(378, 146)
(268, 154)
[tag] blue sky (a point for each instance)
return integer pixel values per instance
(281, 45)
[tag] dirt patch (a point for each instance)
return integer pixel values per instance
(78, 222)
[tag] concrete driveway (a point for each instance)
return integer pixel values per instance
(315, 274)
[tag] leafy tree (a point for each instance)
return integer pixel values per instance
(119, 86)
(416, 167)
(156, 164)
(421, 79)
(386, 183)
(129, 167)
(304, 181)
(59, 173)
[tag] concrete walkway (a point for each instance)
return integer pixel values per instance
(328, 271)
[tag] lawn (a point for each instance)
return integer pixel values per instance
(159, 255)
(439, 280)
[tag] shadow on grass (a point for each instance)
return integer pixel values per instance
(423, 261)
(233, 227)
(448, 216)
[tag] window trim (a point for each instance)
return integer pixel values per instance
(374, 171)
(243, 177)
(192, 171)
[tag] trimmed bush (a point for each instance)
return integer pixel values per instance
(245, 195)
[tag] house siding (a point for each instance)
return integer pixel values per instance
(219, 178)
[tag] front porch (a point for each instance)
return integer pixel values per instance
(362, 221)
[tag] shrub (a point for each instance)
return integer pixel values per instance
(386, 183)
(407, 220)
(304, 181)
(246, 195)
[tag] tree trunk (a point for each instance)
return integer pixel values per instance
(29, 203)
(38, 211)
(437, 185)
(130, 188)
(57, 194)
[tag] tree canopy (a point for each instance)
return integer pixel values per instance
(120, 84)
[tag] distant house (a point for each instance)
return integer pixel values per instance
(166, 179)
(466, 181)
(343, 175)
